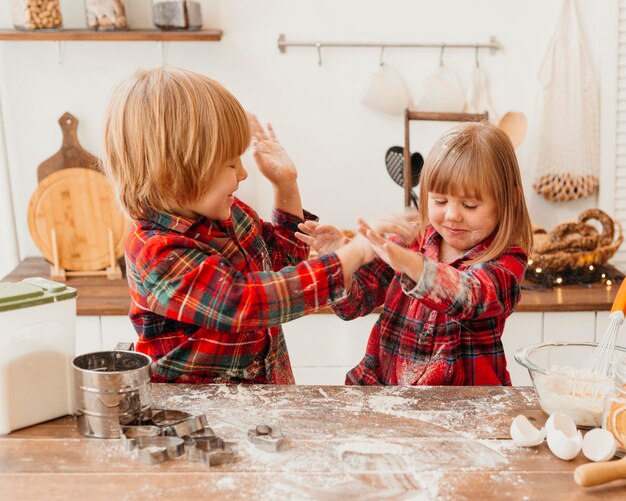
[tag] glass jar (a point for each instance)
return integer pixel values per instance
(614, 415)
(106, 15)
(36, 14)
(176, 14)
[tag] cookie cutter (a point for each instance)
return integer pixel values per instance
(168, 417)
(130, 435)
(266, 438)
(154, 450)
(211, 451)
(189, 426)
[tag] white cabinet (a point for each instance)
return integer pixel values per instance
(569, 326)
(117, 329)
(323, 348)
(88, 336)
(521, 330)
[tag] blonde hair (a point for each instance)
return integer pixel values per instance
(472, 159)
(166, 131)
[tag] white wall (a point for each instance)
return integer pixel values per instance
(336, 142)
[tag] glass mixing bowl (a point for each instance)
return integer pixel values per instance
(553, 369)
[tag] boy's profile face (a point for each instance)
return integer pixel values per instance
(217, 202)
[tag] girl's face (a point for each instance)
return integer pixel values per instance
(463, 222)
(216, 203)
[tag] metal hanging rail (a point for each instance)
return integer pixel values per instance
(493, 45)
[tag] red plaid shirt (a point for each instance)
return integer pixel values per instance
(206, 302)
(444, 330)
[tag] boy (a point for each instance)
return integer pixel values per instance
(210, 282)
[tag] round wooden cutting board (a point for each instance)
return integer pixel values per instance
(80, 206)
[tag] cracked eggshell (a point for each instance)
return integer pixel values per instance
(564, 439)
(599, 445)
(524, 434)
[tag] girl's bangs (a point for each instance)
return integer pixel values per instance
(463, 175)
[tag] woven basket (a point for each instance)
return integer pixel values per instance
(575, 245)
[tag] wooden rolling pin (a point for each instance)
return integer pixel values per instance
(591, 474)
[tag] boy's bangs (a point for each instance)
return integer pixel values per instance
(460, 175)
(234, 137)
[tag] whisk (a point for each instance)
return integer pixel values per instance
(596, 369)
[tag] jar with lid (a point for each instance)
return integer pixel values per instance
(176, 14)
(106, 15)
(36, 14)
(614, 415)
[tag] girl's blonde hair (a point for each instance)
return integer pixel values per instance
(472, 159)
(166, 131)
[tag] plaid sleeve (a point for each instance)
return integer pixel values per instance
(185, 284)
(284, 248)
(368, 290)
(482, 290)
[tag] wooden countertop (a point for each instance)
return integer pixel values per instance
(342, 443)
(101, 296)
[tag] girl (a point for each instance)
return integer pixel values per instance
(448, 293)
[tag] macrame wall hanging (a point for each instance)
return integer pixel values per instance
(566, 153)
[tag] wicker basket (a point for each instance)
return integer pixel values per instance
(573, 250)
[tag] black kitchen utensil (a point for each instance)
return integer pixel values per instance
(394, 160)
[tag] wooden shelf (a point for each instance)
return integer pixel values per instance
(112, 36)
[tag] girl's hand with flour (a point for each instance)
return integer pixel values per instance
(399, 258)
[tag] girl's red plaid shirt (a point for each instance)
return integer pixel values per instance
(444, 330)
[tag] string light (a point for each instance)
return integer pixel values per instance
(584, 275)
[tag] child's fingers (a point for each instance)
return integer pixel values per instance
(271, 131)
(304, 238)
(308, 227)
(256, 129)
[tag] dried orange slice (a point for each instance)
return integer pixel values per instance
(616, 421)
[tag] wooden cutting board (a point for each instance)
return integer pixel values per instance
(71, 153)
(79, 204)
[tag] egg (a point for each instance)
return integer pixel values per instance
(599, 445)
(524, 434)
(564, 439)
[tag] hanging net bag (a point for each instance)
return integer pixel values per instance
(566, 151)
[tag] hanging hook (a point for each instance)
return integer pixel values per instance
(476, 57)
(443, 48)
(318, 46)
(382, 52)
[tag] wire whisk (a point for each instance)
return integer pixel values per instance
(592, 378)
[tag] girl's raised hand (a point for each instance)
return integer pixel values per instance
(324, 239)
(404, 225)
(400, 259)
(270, 156)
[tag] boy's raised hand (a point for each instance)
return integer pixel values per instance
(323, 238)
(270, 156)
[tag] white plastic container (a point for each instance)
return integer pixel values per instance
(37, 345)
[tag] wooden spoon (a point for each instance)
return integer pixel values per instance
(514, 123)
(590, 474)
